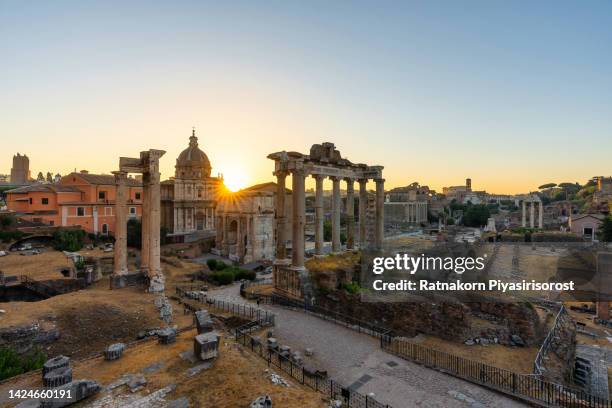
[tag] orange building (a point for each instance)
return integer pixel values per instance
(79, 199)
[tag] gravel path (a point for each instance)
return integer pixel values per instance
(356, 360)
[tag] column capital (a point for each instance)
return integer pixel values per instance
(120, 175)
(379, 180)
(280, 173)
(362, 181)
(298, 172)
(350, 180)
(318, 176)
(335, 178)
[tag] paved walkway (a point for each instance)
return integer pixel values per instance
(357, 360)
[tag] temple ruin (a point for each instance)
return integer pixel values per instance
(150, 266)
(532, 200)
(290, 276)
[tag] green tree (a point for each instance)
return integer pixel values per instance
(605, 231)
(476, 215)
(134, 233)
(327, 230)
(6, 220)
(68, 240)
(548, 185)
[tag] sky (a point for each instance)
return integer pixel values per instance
(512, 94)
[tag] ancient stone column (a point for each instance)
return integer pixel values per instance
(155, 272)
(319, 216)
(541, 215)
(281, 239)
(145, 224)
(336, 204)
(299, 215)
(524, 220)
(531, 214)
(120, 263)
(380, 213)
(350, 214)
(363, 206)
(219, 234)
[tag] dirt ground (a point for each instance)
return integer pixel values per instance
(517, 359)
(89, 320)
(235, 380)
(46, 265)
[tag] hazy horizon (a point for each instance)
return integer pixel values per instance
(512, 95)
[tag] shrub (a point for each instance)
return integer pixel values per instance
(68, 240)
(352, 287)
(221, 266)
(8, 236)
(212, 264)
(12, 364)
(244, 274)
(224, 277)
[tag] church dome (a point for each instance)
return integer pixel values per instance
(192, 163)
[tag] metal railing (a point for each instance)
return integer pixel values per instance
(264, 317)
(527, 387)
(328, 387)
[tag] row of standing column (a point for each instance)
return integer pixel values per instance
(150, 221)
(298, 221)
(532, 214)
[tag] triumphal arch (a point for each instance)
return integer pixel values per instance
(147, 165)
(324, 161)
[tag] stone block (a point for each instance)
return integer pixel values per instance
(55, 363)
(272, 343)
(309, 352)
(262, 402)
(79, 390)
(114, 351)
(206, 346)
(57, 377)
(203, 322)
(166, 336)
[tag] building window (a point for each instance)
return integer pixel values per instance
(105, 229)
(199, 193)
(587, 232)
(80, 211)
(132, 210)
(51, 223)
(101, 195)
(30, 200)
(108, 210)
(45, 201)
(137, 195)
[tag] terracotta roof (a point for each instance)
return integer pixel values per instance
(597, 216)
(45, 188)
(104, 179)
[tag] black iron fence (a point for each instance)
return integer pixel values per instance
(328, 387)
(264, 317)
(527, 387)
(326, 314)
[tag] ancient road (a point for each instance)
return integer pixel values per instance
(356, 360)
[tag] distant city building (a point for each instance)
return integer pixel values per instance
(458, 192)
(20, 172)
(82, 199)
(407, 205)
(586, 225)
(189, 199)
(603, 192)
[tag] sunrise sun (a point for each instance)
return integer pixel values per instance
(234, 180)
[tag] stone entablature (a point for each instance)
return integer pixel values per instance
(324, 161)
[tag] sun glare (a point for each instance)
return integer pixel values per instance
(234, 180)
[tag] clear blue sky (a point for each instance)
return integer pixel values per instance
(511, 93)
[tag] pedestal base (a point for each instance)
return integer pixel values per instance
(290, 280)
(128, 279)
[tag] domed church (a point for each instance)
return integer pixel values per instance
(189, 199)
